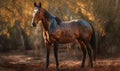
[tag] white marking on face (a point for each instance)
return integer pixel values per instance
(35, 10)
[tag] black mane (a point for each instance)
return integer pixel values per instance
(48, 15)
(58, 20)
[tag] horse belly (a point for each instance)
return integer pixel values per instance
(64, 36)
(65, 39)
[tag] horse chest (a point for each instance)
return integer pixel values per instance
(46, 37)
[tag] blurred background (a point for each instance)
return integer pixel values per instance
(22, 46)
(16, 32)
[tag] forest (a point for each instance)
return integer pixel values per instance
(22, 46)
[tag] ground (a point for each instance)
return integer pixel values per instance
(27, 61)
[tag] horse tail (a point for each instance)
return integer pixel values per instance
(93, 39)
(93, 43)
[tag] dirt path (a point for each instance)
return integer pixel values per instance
(22, 62)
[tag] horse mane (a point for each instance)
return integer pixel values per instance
(47, 14)
(58, 20)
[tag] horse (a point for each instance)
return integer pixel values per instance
(57, 32)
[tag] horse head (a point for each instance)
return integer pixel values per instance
(38, 14)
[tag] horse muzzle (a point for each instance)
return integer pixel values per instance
(34, 24)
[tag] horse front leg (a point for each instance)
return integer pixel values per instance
(56, 55)
(47, 56)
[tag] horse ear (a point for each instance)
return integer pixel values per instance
(40, 4)
(35, 4)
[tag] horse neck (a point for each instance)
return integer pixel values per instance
(47, 21)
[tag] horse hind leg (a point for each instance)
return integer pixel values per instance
(88, 46)
(83, 52)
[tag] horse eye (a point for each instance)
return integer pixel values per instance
(38, 11)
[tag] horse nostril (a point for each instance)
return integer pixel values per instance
(34, 24)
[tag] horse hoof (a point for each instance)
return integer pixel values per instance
(82, 66)
(91, 66)
(46, 67)
(57, 69)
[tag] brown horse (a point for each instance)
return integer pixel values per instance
(57, 32)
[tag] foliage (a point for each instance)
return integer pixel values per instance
(16, 15)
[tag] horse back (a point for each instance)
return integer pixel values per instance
(83, 23)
